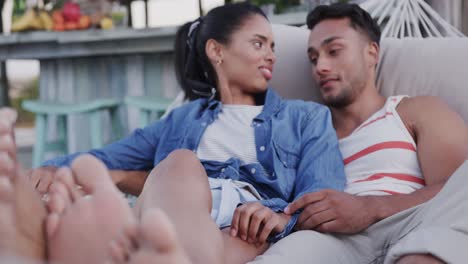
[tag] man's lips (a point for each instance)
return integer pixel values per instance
(324, 82)
(267, 72)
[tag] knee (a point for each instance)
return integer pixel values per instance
(185, 155)
(180, 163)
(420, 258)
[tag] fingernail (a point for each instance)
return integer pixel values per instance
(233, 232)
(286, 210)
(244, 237)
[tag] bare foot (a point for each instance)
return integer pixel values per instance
(82, 223)
(22, 213)
(153, 240)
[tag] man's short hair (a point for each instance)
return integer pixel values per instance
(360, 19)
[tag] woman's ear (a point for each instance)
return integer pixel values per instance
(214, 51)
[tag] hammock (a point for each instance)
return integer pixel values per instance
(409, 18)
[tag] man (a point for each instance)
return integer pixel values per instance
(396, 159)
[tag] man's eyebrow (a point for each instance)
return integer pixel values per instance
(329, 40)
(324, 42)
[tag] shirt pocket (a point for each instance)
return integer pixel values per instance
(288, 158)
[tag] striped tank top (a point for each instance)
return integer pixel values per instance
(380, 155)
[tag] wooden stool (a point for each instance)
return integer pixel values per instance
(43, 110)
(147, 105)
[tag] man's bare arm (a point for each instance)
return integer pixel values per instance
(442, 144)
(441, 137)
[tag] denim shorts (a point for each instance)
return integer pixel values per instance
(227, 195)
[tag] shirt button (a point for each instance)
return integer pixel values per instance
(223, 169)
(262, 148)
(258, 124)
(253, 170)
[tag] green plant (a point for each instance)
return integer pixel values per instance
(280, 5)
(30, 92)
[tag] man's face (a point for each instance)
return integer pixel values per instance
(341, 61)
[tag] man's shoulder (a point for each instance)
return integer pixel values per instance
(420, 113)
(417, 107)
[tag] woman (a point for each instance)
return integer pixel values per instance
(238, 153)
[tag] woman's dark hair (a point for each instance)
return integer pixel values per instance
(193, 69)
(360, 19)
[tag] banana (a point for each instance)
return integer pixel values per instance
(24, 23)
(37, 23)
(46, 20)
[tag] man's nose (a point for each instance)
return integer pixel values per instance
(322, 66)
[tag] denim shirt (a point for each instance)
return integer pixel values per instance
(296, 146)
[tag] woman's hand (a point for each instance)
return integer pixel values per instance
(253, 222)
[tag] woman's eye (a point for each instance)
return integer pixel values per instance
(258, 44)
(313, 61)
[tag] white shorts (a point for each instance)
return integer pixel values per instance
(227, 194)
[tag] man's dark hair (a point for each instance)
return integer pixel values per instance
(360, 19)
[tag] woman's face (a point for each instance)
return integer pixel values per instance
(248, 58)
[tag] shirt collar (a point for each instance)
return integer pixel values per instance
(271, 107)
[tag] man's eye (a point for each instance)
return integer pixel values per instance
(334, 52)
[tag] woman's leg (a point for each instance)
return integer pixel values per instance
(179, 186)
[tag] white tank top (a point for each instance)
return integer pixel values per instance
(380, 155)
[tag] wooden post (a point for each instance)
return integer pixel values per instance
(465, 17)
(4, 97)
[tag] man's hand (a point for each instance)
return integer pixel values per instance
(41, 178)
(253, 222)
(330, 211)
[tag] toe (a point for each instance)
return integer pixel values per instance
(91, 173)
(7, 145)
(6, 189)
(117, 253)
(52, 224)
(8, 114)
(64, 176)
(7, 164)
(58, 199)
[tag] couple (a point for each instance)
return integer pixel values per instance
(279, 160)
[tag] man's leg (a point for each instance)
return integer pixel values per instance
(179, 187)
(22, 213)
(443, 225)
(305, 247)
